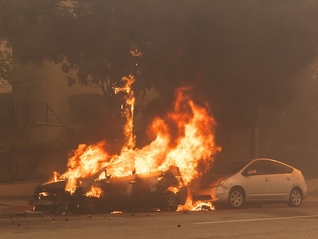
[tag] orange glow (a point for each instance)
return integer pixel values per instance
(86, 161)
(191, 145)
(56, 176)
(134, 51)
(174, 189)
(94, 192)
(202, 206)
(128, 110)
(196, 205)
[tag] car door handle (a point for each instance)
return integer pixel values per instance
(266, 179)
(288, 178)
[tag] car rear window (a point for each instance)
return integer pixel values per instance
(278, 168)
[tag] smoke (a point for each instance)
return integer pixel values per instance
(238, 55)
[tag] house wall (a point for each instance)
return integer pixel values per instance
(51, 87)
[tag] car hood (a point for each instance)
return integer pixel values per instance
(212, 180)
(52, 185)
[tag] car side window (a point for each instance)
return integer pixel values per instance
(288, 169)
(277, 168)
(255, 168)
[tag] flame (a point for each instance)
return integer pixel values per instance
(194, 144)
(196, 205)
(85, 162)
(191, 144)
(94, 192)
(134, 51)
(174, 189)
(129, 110)
(202, 206)
(56, 177)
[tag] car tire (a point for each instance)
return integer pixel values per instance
(89, 205)
(169, 202)
(236, 198)
(295, 198)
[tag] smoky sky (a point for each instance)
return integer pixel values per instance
(238, 55)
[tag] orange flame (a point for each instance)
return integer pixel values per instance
(56, 176)
(94, 192)
(191, 145)
(129, 110)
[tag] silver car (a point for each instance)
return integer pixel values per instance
(257, 181)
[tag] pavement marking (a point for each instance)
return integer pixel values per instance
(257, 219)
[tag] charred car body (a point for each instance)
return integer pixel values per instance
(162, 189)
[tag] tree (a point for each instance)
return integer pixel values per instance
(20, 78)
(239, 55)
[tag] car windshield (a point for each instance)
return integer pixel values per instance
(229, 167)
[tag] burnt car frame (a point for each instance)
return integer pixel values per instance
(164, 190)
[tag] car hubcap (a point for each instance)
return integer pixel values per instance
(296, 198)
(170, 201)
(236, 199)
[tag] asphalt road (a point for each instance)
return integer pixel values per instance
(271, 221)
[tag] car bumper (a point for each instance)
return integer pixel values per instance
(305, 191)
(213, 194)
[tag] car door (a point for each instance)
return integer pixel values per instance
(281, 181)
(257, 182)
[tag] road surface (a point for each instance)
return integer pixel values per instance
(271, 221)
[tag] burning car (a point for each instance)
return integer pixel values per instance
(103, 193)
(97, 180)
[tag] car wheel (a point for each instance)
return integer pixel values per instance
(89, 205)
(295, 198)
(169, 202)
(236, 198)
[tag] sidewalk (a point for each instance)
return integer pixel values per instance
(15, 197)
(14, 206)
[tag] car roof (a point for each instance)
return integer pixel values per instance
(248, 161)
